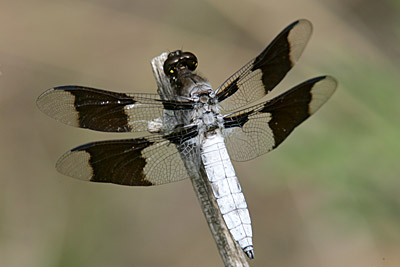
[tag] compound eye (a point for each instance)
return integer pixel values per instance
(192, 65)
(170, 65)
(179, 59)
(190, 60)
(170, 70)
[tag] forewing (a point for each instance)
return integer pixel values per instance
(105, 111)
(145, 161)
(252, 132)
(258, 77)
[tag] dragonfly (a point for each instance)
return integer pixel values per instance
(237, 121)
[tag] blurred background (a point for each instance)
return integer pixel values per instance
(329, 196)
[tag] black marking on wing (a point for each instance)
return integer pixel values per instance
(254, 131)
(229, 90)
(182, 134)
(145, 161)
(275, 61)
(238, 120)
(258, 77)
(105, 111)
(98, 109)
(290, 109)
(118, 162)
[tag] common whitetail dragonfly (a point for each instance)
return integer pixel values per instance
(212, 127)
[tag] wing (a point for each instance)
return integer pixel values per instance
(252, 132)
(142, 161)
(258, 77)
(105, 111)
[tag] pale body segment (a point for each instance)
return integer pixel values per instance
(227, 191)
(217, 163)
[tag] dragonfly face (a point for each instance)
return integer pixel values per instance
(179, 68)
(179, 61)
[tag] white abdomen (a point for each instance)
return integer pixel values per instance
(227, 190)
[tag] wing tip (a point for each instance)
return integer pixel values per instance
(42, 97)
(52, 90)
(46, 102)
(75, 164)
(330, 81)
(298, 35)
(59, 105)
(322, 89)
(304, 23)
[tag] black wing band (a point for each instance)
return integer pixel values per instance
(105, 111)
(252, 132)
(258, 77)
(145, 161)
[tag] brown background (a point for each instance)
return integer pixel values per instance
(329, 196)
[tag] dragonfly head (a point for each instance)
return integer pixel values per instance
(179, 67)
(178, 62)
